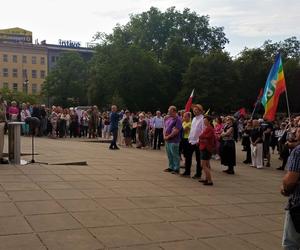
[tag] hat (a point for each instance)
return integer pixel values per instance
(198, 106)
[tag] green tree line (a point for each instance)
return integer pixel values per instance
(157, 58)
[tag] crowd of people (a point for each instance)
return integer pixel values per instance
(183, 134)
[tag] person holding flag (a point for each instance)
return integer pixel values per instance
(197, 128)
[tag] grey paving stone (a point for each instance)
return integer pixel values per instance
(39, 207)
(199, 229)
(80, 205)
(160, 232)
(33, 195)
(70, 240)
(14, 225)
(99, 218)
(8, 209)
(137, 216)
(119, 236)
(186, 245)
(21, 242)
(116, 203)
(59, 194)
(52, 222)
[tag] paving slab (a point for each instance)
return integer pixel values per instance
(52, 222)
(21, 242)
(119, 236)
(70, 240)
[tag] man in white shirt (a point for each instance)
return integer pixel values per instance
(158, 125)
(196, 130)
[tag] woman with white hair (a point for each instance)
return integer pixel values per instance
(25, 113)
(142, 130)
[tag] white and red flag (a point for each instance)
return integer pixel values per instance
(188, 105)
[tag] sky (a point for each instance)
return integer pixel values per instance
(246, 23)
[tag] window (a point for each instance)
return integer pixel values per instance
(5, 85)
(34, 88)
(33, 60)
(15, 87)
(53, 59)
(5, 58)
(24, 59)
(43, 74)
(43, 60)
(15, 72)
(5, 72)
(33, 73)
(15, 58)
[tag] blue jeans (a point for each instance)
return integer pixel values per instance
(290, 239)
(173, 155)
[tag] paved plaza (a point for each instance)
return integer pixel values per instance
(124, 200)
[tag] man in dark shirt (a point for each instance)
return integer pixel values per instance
(291, 188)
(267, 128)
(114, 118)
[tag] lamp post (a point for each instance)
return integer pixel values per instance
(26, 83)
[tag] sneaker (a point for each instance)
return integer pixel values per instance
(3, 161)
(196, 176)
(185, 175)
(202, 181)
(208, 183)
(175, 172)
(168, 170)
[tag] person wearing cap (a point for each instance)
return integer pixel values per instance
(197, 128)
(3, 121)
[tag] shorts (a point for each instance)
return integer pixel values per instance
(205, 155)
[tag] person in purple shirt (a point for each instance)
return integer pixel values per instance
(172, 137)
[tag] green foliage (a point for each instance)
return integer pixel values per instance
(19, 97)
(66, 84)
(157, 58)
(214, 79)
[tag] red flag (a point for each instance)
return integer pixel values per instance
(188, 105)
(242, 112)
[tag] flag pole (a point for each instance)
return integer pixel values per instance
(254, 110)
(287, 103)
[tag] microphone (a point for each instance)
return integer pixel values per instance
(33, 122)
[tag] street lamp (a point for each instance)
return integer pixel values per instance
(26, 83)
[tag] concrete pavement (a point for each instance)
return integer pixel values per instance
(124, 200)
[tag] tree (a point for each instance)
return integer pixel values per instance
(66, 84)
(130, 75)
(214, 79)
(153, 30)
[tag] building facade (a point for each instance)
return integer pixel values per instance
(24, 66)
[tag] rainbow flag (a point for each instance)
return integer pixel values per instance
(275, 86)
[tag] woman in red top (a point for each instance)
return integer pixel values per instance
(207, 143)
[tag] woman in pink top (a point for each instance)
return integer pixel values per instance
(13, 111)
(218, 131)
